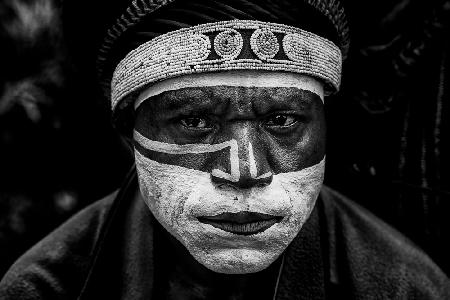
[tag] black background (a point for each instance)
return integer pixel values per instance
(388, 129)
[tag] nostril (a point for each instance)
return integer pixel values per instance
(224, 181)
(226, 186)
(264, 180)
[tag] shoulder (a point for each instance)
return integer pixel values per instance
(381, 261)
(56, 266)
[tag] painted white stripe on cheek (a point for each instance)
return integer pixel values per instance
(196, 148)
(234, 165)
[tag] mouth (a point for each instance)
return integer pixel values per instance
(242, 223)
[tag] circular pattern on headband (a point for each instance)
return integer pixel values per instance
(200, 46)
(296, 48)
(187, 51)
(228, 44)
(264, 44)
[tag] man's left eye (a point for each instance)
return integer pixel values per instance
(195, 123)
(281, 120)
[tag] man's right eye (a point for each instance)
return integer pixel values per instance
(195, 123)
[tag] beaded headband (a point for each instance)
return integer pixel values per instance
(228, 45)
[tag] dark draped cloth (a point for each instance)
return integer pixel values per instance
(107, 251)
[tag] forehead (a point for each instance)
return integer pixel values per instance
(248, 85)
(231, 99)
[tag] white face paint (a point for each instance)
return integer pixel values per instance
(242, 78)
(177, 196)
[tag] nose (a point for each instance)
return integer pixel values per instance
(253, 169)
(244, 182)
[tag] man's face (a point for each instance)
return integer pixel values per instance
(232, 172)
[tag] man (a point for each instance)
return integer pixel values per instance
(223, 102)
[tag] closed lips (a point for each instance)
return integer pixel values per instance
(242, 223)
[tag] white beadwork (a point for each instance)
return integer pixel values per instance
(264, 44)
(228, 44)
(186, 51)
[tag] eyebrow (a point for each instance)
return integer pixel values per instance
(187, 100)
(206, 99)
(294, 96)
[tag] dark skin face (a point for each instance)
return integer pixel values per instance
(286, 128)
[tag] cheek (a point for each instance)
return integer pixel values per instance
(146, 125)
(299, 151)
(150, 123)
(165, 190)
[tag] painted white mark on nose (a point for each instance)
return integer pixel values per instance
(252, 165)
(251, 161)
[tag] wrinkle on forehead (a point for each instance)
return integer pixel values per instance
(238, 78)
(232, 101)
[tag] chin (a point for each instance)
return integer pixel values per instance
(236, 261)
